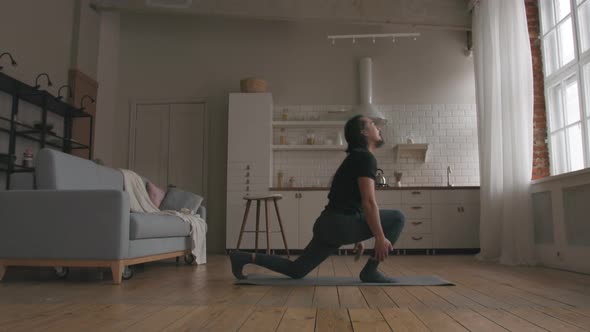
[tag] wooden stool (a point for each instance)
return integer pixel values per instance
(258, 199)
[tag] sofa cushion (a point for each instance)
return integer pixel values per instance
(148, 226)
(155, 193)
(56, 170)
(177, 199)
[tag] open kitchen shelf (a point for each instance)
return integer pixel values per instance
(410, 150)
(308, 148)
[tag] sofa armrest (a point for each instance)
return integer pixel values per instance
(64, 224)
(202, 211)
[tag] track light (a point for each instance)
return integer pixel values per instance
(14, 64)
(59, 96)
(393, 36)
(37, 85)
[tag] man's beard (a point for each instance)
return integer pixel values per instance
(380, 143)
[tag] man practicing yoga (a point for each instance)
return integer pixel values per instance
(351, 215)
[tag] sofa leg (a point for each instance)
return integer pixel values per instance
(117, 271)
(2, 271)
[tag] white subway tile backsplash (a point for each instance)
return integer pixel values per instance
(450, 130)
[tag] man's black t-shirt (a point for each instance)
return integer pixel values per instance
(345, 195)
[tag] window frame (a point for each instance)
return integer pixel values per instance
(559, 77)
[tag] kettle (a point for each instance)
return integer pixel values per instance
(380, 180)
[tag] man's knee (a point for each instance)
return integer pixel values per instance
(299, 274)
(394, 219)
(401, 219)
(393, 225)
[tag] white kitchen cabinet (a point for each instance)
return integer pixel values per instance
(302, 209)
(416, 207)
(248, 163)
(311, 204)
(455, 219)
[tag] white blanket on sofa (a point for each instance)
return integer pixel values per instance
(139, 201)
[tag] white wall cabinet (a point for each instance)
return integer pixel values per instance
(248, 163)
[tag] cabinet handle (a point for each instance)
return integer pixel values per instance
(416, 207)
(416, 238)
(247, 188)
(416, 192)
(416, 223)
(247, 181)
(300, 195)
(247, 166)
(247, 174)
(462, 209)
(458, 209)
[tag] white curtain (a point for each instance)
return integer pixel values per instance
(504, 93)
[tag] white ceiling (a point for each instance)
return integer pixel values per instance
(448, 14)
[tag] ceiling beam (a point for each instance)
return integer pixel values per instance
(445, 14)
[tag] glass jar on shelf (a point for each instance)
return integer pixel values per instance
(310, 137)
(280, 179)
(283, 137)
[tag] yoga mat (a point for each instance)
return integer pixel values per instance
(271, 280)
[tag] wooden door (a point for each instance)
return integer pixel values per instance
(187, 147)
(150, 149)
(168, 145)
(82, 85)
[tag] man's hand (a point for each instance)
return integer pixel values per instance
(382, 248)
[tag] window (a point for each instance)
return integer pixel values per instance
(565, 29)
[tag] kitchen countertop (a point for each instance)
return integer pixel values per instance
(378, 188)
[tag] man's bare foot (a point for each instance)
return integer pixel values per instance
(238, 260)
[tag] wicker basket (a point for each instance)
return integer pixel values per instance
(253, 85)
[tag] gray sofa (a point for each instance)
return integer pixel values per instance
(79, 216)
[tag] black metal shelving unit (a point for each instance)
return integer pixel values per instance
(48, 103)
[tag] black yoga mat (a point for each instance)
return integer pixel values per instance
(272, 280)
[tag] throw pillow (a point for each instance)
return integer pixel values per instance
(177, 199)
(156, 194)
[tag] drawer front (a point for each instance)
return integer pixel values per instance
(417, 226)
(416, 211)
(455, 196)
(417, 241)
(415, 196)
(388, 197)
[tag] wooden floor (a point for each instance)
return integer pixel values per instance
(163, 296)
